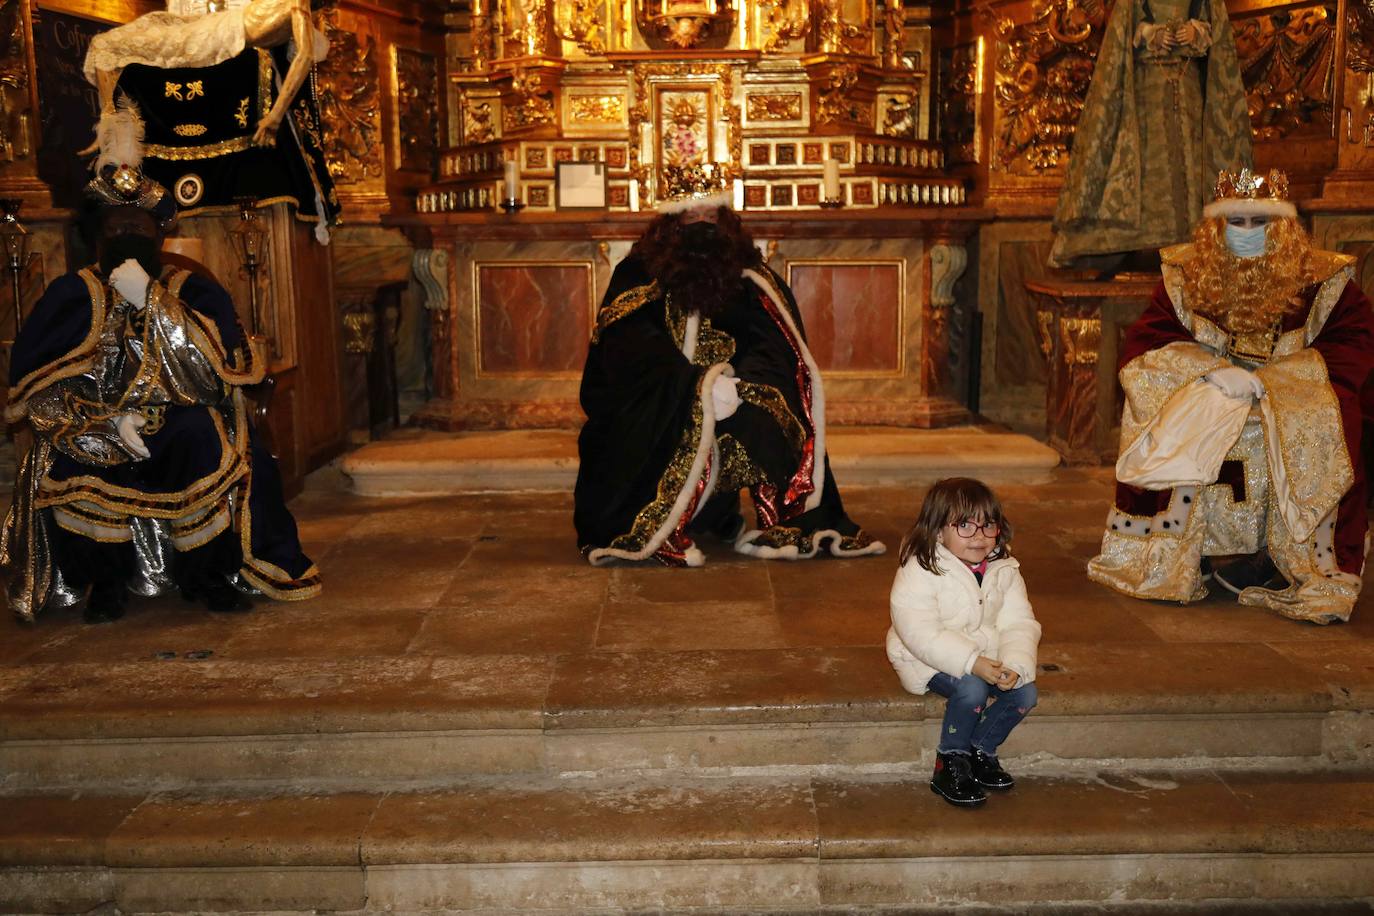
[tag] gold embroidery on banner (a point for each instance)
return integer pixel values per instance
(190, 130)
(172, 91)
(626, 303)
(188, 153)
(195, 89)
(241, 116)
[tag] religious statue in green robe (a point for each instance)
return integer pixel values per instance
(1165, 114)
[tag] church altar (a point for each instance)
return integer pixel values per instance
(818, 115)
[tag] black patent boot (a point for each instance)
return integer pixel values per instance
(988, 773)
(953, 780)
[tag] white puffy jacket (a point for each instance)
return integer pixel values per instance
(944, 622)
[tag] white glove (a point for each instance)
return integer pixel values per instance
(1236, 382)
(725, 396)
(128, 426)
(131, 281)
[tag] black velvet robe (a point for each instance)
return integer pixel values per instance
(205, 455)
(658, 469)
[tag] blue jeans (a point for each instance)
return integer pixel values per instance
(978, 715)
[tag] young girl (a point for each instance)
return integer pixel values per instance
(963, 627)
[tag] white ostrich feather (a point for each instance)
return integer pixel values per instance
(120, 137)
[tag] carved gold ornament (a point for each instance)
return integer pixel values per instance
(1043, 70)
(16, 104)
(597, 109)
(530, 34)
(349, 103)
(899, 115)
(360, 332)
(787, 20)
(774, 106)
(533, 105)
(482, 36)
(579, 21)
(837, 34)
(1359, 17)
(833, 102)
(417, 88)
(959, 101)
(1287, 61)
(683, 24)
(477, 124)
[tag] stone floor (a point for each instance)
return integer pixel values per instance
(472, 717)
(498, 574)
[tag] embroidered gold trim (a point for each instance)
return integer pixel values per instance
(770, 399)
(625, 304)
(190, 153)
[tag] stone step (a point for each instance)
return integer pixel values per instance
(414, 462)
(780, 845)
(361, 723)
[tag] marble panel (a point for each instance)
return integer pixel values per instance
(852, 312)
(528, 313)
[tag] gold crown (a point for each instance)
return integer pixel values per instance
(693, 182)
(1247, 185)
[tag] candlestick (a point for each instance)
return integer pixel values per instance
(512, 180)
(831, 192)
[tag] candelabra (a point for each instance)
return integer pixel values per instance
(248, 238)
(16, 241)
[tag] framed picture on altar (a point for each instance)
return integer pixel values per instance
(581, 186)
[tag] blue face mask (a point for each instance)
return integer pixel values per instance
(1246, 243)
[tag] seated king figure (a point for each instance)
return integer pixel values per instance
(1241, 431)
(145, 473)
(698, 384)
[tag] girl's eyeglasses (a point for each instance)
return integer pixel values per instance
(967, 529)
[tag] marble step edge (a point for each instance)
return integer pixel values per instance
(780, 843)
(599, 690)
(399, 759)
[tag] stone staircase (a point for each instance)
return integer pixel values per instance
(468, 720)
(713, 781)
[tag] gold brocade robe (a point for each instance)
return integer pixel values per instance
(1284, 470)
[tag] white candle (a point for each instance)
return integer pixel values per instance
(831, 181)
(634, 195)
(512, 180)
(738, 195)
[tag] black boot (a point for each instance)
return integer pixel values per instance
(987, 772)
(203, 574)
(217, 596)
(954, 781)
(106, 602)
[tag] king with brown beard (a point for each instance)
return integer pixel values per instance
(1241, 431)
(698, 384)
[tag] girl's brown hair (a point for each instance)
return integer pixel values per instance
(950, 501)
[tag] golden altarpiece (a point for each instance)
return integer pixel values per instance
(875, 150)
(818, 112)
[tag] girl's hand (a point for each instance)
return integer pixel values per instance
(1007, 679)
(988, 669)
